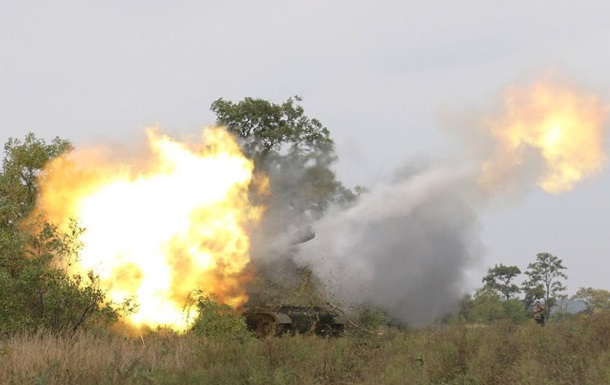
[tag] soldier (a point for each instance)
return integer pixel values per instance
(539, 313)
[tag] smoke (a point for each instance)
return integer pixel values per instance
(408, 245)
(404, 247)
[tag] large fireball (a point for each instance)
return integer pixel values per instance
(559, 124)
(159, 225)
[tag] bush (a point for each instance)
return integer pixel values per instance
(217, 320)
(372, 318)
(43, 294)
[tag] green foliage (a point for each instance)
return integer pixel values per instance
(42, 293)
(22, 165)
(545, 280)
(293, 150)
(263, 126)
(514, 311)
(488, 307)
(595, 300)
(372, 318)
(217, 320)
(500, 278)
(37, 292)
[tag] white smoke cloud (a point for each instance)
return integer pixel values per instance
(404, 246)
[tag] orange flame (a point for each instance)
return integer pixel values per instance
(159, 226)
(564, 125)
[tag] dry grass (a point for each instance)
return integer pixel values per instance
(575, 352)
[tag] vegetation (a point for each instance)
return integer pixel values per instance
(501, 278)
(217, 320)
(545, 280)
(34, 253)
(293, 150)
(487, 307)
(571, 352)
(595, 300)
(498, 298)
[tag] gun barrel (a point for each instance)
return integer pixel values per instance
(303, 235)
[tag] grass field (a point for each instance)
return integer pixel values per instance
(576, 351)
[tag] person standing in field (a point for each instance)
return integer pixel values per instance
(538, 313)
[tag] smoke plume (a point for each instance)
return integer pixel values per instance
(404, 247)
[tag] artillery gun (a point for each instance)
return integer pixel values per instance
(264, 320)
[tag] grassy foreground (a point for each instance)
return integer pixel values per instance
(573, 352)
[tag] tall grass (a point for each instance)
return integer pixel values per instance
(572, 352)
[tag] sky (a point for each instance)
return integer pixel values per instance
(386, 77)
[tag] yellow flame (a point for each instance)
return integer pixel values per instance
(161, 225)
(565, 126)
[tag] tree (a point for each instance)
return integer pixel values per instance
(487, 306)
(22, 165)
(264, 127)
(293, 150)
(545, 280)
(500, 279)
(595, 300)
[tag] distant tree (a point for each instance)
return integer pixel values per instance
(514, 310)
(594, 299)
(500, 278)
(544, 281)
(487, 306)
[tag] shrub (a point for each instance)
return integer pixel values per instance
(217, 320)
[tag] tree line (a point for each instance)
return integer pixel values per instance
(501, 298)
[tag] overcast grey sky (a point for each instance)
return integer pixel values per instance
(379, 74)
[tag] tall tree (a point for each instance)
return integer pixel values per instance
(293, 150)
(500, 278)
(264, 127)
(544, 281)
